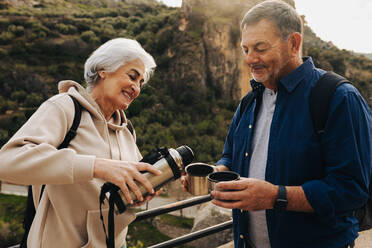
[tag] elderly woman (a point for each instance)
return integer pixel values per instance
(103, 150)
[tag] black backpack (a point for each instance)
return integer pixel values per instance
(320, 99)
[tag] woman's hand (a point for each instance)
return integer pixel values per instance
(123, 174)
(148, 198)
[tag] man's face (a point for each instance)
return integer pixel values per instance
(265, 53)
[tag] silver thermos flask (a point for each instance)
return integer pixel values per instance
(171, 167)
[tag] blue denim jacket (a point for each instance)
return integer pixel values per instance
(333, 170)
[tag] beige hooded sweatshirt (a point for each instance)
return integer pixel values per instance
(68, 213)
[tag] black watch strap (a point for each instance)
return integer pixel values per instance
(281, 201)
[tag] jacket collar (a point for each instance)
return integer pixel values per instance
(291, 81)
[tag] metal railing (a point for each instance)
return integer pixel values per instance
(180, 205)
(173, 207)
(194, 235)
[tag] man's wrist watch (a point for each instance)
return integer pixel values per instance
(281, 201)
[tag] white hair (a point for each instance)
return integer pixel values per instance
(113, 54)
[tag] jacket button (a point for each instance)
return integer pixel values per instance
(250, 126)
(246, 154)
(241, 236)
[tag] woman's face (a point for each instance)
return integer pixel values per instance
(116, 90)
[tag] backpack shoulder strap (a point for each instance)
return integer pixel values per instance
(320, 98)
(75, 124)
(246, 101)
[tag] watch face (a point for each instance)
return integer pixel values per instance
(280, 204)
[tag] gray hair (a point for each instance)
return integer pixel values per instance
(113, 54)
(281, 14)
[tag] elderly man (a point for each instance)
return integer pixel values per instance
(297, 189)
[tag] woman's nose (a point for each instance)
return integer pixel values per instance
(136, 89)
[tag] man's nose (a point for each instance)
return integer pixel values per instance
(250, 58)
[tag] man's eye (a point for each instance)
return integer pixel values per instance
(260, 49)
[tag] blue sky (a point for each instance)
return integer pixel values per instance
(347, 23)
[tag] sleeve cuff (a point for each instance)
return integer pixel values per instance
(224, 161)
(83, 168)
(317, 193)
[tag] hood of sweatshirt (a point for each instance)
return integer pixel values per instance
(118, 120)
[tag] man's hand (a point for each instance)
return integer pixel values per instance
(123, 174)
(246, 194)
(253, 194)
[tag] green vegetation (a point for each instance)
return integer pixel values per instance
(11, 218)
(357, 68)
(144, 234)
(42, 45)
(181, 222)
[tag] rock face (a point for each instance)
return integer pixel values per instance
(216, 54)
(207, 216)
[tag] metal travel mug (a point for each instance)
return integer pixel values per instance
(221, 176)
(197, 178)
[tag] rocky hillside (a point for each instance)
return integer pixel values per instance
(219, 63)
(200, 75)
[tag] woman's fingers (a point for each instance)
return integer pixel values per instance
(135, 189)
(148, 167)
(143, 180)
(126, 193)
(126, 175)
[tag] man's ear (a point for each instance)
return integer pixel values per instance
(295, 40)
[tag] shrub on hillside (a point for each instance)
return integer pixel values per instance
(4, 136)
(89, 37)
(107, 33)
(16, 30)
(18, 96)
(3, 53)
(6, 37)
(40, 30)
(66, 28)
(120, 22)
(33, 100)
(3, 106)
(10, 233)
(83, 24)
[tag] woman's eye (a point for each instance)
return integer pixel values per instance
(132, 77)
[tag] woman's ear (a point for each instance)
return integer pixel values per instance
(101, 74)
